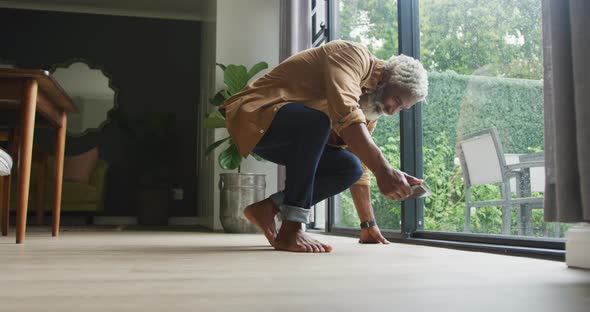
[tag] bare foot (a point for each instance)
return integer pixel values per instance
(291, 237)
(262, 214)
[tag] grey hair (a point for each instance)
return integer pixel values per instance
(407, 72)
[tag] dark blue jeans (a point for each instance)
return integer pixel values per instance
(297, 139)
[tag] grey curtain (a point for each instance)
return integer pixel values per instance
(294, 36)
(566, 52)
(295, 27)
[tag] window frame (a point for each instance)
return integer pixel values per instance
(411, 154)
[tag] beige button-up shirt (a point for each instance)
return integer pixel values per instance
(329, 78)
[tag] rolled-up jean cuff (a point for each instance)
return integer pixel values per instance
(295, 214)
(277, 198)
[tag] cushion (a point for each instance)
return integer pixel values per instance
(5, 163)
(79, 193)
(79, 168)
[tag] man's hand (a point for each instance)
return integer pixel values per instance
(372, 235)
(413, 180)
(393, 184)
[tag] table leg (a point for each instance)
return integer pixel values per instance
(526, 209)
(4, 204)
(60, 144)
(40, 196)
(6, 188)
(2, 178)
(518, 191)
(27, 124)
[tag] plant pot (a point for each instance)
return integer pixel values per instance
(237, 191)
(152, 206)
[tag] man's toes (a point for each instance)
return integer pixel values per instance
(318, 248)
(297, 247)
(323, 248)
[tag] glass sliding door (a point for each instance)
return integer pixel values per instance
(374, 24)
(483, 119)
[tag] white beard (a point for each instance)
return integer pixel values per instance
(372, 104)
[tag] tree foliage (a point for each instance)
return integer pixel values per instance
(371, 22)
(499, 38)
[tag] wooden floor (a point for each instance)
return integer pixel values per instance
(106, 270)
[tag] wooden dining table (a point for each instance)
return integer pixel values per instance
(31, 98)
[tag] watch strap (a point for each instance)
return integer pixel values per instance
(368, 224)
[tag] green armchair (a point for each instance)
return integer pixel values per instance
(76, 196)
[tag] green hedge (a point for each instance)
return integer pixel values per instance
(458, 105)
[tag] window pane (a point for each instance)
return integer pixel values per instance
(318, 22)
(374, 24)
(485, 64)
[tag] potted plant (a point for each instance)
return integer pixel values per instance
(237, 190)
(152, 142)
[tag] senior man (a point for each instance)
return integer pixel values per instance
(314, 114)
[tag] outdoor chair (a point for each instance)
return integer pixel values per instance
(483, 162)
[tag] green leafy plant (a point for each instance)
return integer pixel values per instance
(146, 131)
(236, 78)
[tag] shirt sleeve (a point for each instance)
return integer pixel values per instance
(344, 71)
(365, 179)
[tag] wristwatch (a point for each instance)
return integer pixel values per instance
(368, 224)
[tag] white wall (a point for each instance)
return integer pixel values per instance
(247, 33)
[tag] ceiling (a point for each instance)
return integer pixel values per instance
(172, 9)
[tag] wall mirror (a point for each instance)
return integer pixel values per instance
(91, 91)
